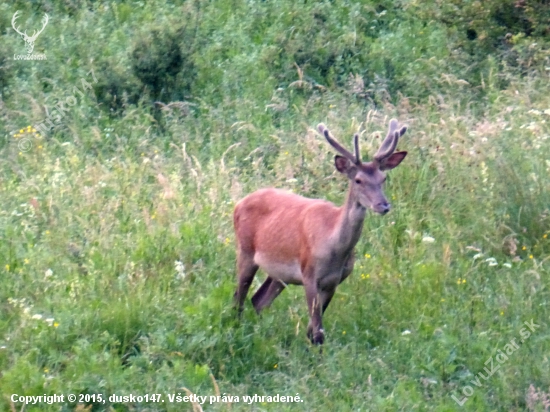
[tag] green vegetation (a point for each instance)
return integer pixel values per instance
(116, 243)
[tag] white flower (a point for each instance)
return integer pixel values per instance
(508, 265)
(491, 261)
(406, 332)
(48, 273)
(477, 256)
(49, 321)
(37, 316)
(428, 239)
(180, 269)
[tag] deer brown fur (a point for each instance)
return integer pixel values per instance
(310, 242)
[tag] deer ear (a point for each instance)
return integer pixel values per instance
(342, 164)
(392, 161)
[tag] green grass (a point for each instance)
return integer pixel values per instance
(117, 258)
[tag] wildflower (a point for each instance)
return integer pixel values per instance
(37, 316)
(227, 241)
(428, 239)
(530, 256)
(49, 321)
(406, 332)
(26, 261)
(508, 265)
(442, 299)
(523, 248)
(343, 332)
(491, 261)
(477, 256)
(7, 267)
(367, 256)
(180, 269)
(55, 324)
(275, 366)
(545, 236)
(48, 273)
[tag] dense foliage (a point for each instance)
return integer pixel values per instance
(116, 243)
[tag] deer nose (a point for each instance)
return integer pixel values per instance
(383, 207)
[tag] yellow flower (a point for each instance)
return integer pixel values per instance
(26, 261)
(501, 313)
(343, 332)
(275, 366)
(21, 131)
(442, 299)
(8, 268)
(523, 248)
(530, 256)
(367, 256)
(545, 236)
(55, 324)
(463, 280)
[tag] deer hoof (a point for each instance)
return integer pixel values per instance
(316, 338)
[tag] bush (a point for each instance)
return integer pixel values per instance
(162, 67)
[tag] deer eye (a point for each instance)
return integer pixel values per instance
(358, 181)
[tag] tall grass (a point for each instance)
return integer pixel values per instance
(117, 261)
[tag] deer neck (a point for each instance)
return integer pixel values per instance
(350, 224)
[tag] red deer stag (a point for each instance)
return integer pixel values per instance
(310, 242)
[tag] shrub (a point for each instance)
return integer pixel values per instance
(162, 67)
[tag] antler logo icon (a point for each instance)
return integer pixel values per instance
(29, 39)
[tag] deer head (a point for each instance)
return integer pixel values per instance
(367, 179)
(29, 39)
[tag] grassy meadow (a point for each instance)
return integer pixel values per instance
(117, 251)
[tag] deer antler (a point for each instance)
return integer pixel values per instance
(45, 20)
(13, 24)
(343, 151)
(390, 142)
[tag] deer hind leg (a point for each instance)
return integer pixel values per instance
(267, 293)
(246, 270)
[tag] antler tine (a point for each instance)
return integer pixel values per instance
(13, 19)
(390, 142)
(325, 132)
(357, 152)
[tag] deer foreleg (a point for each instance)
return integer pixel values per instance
(315, 331)
(267, 293)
